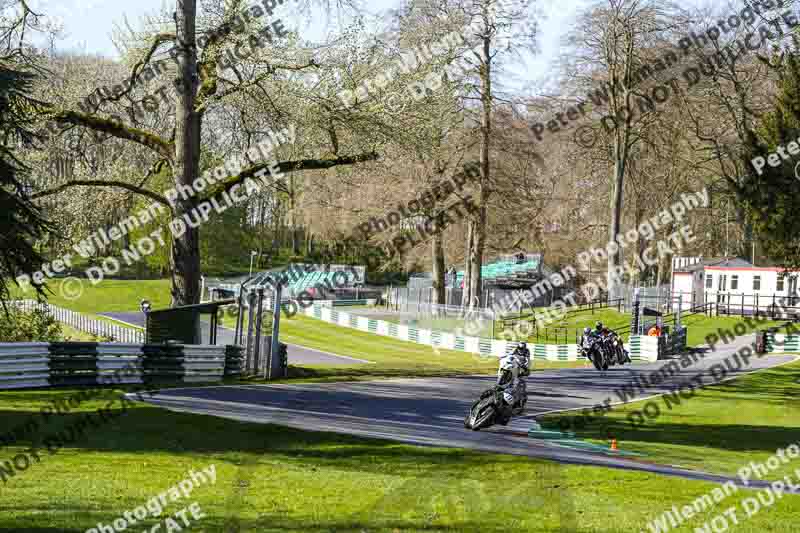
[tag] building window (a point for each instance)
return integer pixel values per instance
(734, 282)
(709, 281)
(756, 283)
(779, 286)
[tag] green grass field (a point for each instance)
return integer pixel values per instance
(391, 357)
(699, 326)
(106, 296)
(73, 335)
(271, 479)
(448, 324)
(718, 430)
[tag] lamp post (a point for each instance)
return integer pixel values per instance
(253, 254)
(145, 306)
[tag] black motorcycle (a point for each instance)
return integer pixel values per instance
(594, 350)
(487, 410)
(617, 348)
(491, 407)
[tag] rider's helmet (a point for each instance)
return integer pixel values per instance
(505, 372)
(598, 326)
(587, 331)
(522, 345)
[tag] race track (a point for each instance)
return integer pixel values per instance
(431, 411)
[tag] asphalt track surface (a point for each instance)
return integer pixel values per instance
(298, 355)
(431, 411)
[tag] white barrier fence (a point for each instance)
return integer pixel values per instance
(100, 328)
(641, 350)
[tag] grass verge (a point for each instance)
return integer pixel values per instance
(390, 357)
(271, 478)
(107, 296)
(719, 429)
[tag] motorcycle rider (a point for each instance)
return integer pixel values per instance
(621, 354)
(523, 356)
(514, 366)
(587, 334)
(598, 329)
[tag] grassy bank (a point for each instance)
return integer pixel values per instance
(719, 429)
(106, 296)
(389, 357)
(271, 478)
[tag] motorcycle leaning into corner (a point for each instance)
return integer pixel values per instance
(615, 348)
(593, 348)
(603, 348)
(507, 397)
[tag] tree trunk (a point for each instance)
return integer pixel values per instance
(641, 244)
(465, 290)
(437, 249)
(293, 218)
(186, 248)
(478, 224)
(613, 282)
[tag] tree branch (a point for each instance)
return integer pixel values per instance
(103, 183)
(290, 166)
(118, 130)
(158, 39)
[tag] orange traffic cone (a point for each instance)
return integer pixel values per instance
(614, 445)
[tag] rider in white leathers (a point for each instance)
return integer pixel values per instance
(513, 367)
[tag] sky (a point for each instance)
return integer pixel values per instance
(88, 28)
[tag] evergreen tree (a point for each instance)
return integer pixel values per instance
(772, 193)
(21, 223)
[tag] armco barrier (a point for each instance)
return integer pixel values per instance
(24, 364)
(88, 364)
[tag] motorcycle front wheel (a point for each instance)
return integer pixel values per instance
(481, 416)
(595, 357)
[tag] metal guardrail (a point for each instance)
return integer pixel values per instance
(26, 365)
(89, 364)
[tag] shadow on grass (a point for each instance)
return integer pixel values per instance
(691, 422)
(382, 372)
(429, 479)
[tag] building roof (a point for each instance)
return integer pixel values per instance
(724, 262)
